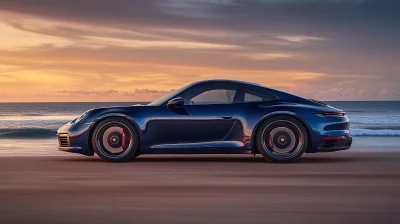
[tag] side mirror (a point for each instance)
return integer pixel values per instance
(176, 103)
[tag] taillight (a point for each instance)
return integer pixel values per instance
(338, 113)
(331, 114)
(332, 138)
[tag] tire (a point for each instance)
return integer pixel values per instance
(281, 139)
(115, 140)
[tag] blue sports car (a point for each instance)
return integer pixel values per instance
(214, 117)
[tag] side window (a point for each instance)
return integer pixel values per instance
(215, 96)
(251, 95)
(252, 98)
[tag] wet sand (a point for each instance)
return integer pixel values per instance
(342, 187)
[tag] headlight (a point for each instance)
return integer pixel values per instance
(82, 116)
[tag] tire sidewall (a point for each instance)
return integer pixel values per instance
(132, 151)
(297, 154)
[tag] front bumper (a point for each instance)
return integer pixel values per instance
(75, 139)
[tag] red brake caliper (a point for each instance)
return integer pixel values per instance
(270, 143)
(125, 140)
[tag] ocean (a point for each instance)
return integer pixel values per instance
(30, 128)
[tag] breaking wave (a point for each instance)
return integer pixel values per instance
(27, 133)
(375, 132)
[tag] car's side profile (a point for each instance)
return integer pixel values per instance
(214, 117)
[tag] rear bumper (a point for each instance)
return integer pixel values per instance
(332, 144)
(323, 128)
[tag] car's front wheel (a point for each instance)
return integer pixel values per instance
(115, 140)
(281, 139)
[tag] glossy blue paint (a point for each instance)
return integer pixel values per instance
(213, 128)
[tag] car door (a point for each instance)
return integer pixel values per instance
(251, 105)
(206, 119)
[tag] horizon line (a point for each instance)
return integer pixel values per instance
(151, 101)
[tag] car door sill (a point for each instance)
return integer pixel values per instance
(223, 144)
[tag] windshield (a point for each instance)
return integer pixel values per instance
(161, 100)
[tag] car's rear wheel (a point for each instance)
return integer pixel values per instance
(281, 139)
(115, 140)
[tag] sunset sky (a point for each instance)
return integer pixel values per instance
(125, 50)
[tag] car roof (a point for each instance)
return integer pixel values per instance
(239, 82)
(227, 81)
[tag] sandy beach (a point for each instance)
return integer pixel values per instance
(342, 187)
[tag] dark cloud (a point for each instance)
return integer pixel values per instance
(342, 13)
(277, 16)
(369, 25)
(369, 22)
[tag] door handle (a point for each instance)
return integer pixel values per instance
(226, 117)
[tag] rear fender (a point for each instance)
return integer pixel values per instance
(278, 113)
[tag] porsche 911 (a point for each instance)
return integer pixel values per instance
(211, 117)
